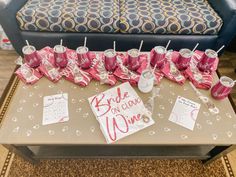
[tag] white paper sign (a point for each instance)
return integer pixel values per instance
(120, 112)
(185, 112)
(55, 109)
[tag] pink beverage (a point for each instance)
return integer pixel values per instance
(223, 88)
(133, 59)
(60, 56)
(207, 60)
(83, 57)
(31, 56)
(184, 59)
(158, 58)
(110, 59)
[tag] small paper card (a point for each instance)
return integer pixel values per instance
(55, 109)
(185, 112)
(120, 112)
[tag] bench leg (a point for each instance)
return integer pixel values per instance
(23, 151)
(217, 152)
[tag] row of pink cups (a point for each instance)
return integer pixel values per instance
(33, 60)
(205, 64)
(158, 60)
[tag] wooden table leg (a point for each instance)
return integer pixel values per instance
(217, 152)
(24, 152)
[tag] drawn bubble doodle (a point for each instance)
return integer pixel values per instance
(92, 129)
(14, 119)
(151, 133)
(78, 110)
(16, 130)
(36, 126)
(51, 86)
(172, 93)
(186, 88)
(36, 87)
(209, 122)
(28, 132)
(97, 90)
(82, 100)
(78, 133)
(19, 109)
(214, 136)
(199, 126)
(65, 128)
(161, 116)
(51, 132)
(35, 105)
(170, 101)
(206, 114)
(31, 94)
(162, 107)
(229, 134)
(85, 115)
(22, 101)
(184, 137)
(166, 129)
(218, 117)
(30, 117)
(228, 115)
(73, 100)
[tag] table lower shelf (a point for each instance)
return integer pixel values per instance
(186, 152)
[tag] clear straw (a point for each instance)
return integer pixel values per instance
(153, 71)
(27, 42)
(140, 47)
(114, 45)
(61, 42)
(220, 49)
(195, 47)
(85, 41)
(168, 45)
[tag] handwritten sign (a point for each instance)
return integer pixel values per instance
(185, 112)
(55, 109)
(120, 112)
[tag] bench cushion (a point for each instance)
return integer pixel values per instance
(168, 17)
(70, 16)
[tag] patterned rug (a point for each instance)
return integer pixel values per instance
(230, 164)
(118, 167)
(6, 158)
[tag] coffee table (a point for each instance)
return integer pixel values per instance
(21, 127)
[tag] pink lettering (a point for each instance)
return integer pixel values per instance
(104, 105)
(99, 104)
(112, 130)
(134, 119)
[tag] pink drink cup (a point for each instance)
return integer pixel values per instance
(133, 59)
(184, 59)
(83, 57)
(31, 56)
(207, 60)
(110, 59)
(60, 56)
(158, 58)
(223, 88)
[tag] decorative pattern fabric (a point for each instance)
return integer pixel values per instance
(168, 17)
(125, 16)
(70, 16)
